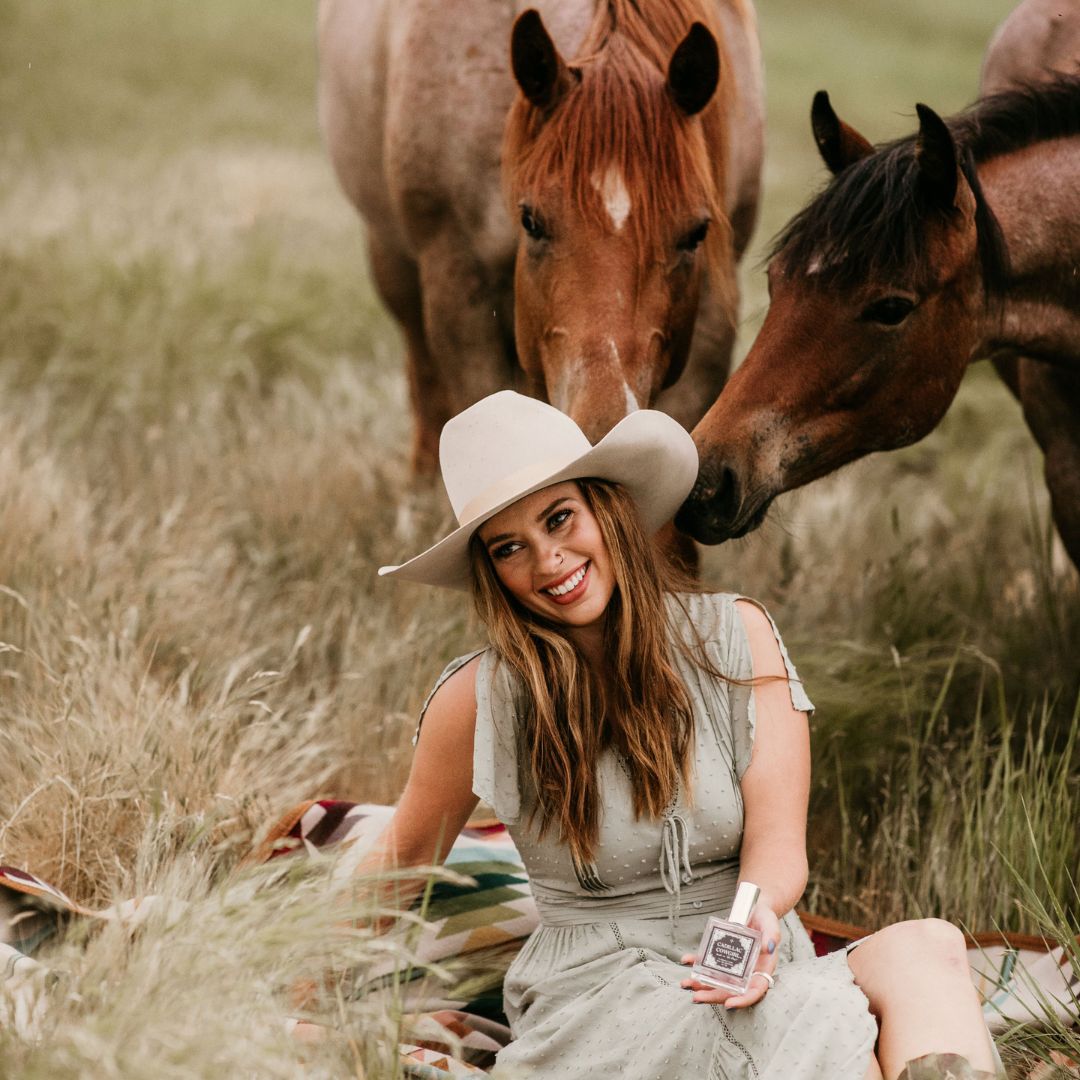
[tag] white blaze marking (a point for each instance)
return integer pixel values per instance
(612, 189)
(631, 398)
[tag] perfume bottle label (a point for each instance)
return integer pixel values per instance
(728, 951)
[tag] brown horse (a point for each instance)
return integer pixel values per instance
(632, 172)
(1039, 40)
(958, 243)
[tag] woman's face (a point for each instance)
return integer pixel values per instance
(548, 553)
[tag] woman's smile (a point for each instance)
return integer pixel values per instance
(569, 587)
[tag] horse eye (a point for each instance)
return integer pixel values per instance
(694, 238)
(532, 225)
(889, 311)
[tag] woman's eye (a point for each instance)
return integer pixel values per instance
(532, 224)
(560, 517)
(888, 311)
(694, 238)
(503, 551)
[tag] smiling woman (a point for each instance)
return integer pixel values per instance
(648, 749)
(547, 549)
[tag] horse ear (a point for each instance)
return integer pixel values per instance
(935, 155)
(694, 70)
(838, 144)
(540, 71)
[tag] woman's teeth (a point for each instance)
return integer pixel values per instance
(571, 583)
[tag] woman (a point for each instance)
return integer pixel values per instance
(648, 749)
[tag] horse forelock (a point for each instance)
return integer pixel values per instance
(870, 221)
(617, 148)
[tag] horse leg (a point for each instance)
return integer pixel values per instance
(465, 320)
(707, 366)
(1051, 400)
(398, 282)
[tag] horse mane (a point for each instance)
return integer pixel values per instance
(621, 115)
(870, 220)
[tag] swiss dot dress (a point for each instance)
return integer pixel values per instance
(595, 990)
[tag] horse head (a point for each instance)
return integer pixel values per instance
(874, 289)
(608, 168)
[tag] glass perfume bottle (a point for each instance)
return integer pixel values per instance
(729, 948)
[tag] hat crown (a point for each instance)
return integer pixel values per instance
(493, 448)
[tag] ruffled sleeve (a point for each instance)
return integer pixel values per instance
(738, 664)
(495, 742)
(729, 706)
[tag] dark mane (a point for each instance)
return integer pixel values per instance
(871, 218)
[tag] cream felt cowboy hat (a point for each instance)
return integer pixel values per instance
(507, 446)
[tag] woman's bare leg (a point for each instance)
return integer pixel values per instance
(916, 977)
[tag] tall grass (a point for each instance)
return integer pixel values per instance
(962, 812)
(202, 987)
(203, 459)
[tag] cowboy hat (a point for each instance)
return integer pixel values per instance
(507, 446)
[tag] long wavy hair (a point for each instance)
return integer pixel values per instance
(573, 715)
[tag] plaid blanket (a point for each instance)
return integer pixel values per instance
(474, 930)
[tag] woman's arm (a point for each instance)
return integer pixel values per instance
(776, 792)
(438, 796)
(776, 785)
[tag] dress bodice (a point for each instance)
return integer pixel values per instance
(642, 866)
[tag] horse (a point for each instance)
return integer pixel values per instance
(1040, 39)
(552, 225)
(960, 242)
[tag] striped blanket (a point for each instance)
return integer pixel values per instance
(473, 931)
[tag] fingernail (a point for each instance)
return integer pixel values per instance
(772, 947)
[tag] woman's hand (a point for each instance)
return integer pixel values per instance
(765, 920)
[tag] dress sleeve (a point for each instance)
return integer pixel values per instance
(739, 665)
(495, 742)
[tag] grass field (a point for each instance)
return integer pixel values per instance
(203, 443)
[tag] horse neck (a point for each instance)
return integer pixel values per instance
(1032, 193)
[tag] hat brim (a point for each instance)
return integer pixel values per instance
(648, 452)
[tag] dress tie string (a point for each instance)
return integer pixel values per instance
(675, 869)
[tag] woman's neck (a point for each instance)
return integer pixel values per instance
(590, 643)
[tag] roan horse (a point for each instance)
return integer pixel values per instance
(920, 256)
(633, 173)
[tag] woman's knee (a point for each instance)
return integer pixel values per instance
(922, 941)
(892, 959)
(936, 942)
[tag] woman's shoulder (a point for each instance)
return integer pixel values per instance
(478, 683)
(710, 613)
(454, 689)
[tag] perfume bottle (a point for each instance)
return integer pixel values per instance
(729, 948)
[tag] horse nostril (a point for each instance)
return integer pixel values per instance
(725, 500)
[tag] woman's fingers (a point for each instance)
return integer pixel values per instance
(705, 994)
(765, 920)
(689, 958)
(754, 993)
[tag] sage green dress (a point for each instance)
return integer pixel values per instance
(595, 989)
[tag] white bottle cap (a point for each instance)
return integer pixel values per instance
(743, 905)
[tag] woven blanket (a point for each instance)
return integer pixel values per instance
(472, 930)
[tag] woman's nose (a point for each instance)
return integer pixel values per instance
(550, 559)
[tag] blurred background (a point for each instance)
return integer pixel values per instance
(203, 458)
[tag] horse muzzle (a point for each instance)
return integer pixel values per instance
(719, 508)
